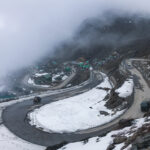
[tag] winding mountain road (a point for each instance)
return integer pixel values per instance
(14, 116)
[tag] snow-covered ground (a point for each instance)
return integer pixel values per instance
(40, 74)
(9, 141)
(61, 74)
(76, 113)
(64, 77)
(126, 89)
(102, 143)
(31, 81)
(54, 78)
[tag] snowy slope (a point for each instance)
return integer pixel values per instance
(126, 89)
(8, 141)
(75, 113)
(102, 143)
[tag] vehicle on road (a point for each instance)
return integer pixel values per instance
(37, 100)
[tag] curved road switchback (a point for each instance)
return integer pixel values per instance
(14, 116)
(134, 111)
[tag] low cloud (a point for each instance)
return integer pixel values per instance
(29, 29)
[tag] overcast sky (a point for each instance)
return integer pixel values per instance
(31, 28)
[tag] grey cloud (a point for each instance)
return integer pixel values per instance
(31, 28)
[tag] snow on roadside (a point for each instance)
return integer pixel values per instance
(31, 81)
(126, 89)
(64, 77)
(9, 141)
(97, 143)
(40, 74)
(75, 113)
(54, 77)
(105, 84)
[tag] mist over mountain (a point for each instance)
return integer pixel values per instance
(31, 29)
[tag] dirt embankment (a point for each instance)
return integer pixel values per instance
(113, 100)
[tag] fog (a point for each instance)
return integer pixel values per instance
(29, 29)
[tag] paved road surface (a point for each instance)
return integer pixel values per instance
(134, 111)
(14, 116)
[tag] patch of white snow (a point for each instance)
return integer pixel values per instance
(126, 89)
